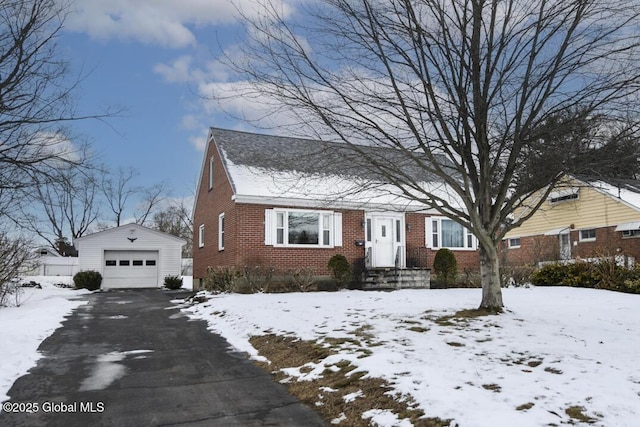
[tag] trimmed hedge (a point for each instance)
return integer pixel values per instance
(604, 274)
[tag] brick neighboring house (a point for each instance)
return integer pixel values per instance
(288, 203)
(585, 218)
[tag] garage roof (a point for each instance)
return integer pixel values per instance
(131, 227)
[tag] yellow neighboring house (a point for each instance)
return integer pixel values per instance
(584, 218)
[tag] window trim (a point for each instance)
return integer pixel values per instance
(211, 173)
(431, 232)
(281, 239)
(221, 232)
(513, 246)
(587, 239)
(201, 236)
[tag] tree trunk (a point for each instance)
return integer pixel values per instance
(490, 278)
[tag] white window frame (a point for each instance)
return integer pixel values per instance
(211, 173)
(510, 242)
(587, 239)
(430, 232)
(221, 232)
(277, 228)
(201, 236)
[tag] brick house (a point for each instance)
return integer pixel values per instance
(585, 218)
(287, 203)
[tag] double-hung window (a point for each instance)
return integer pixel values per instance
(303, 228)
(445, 233)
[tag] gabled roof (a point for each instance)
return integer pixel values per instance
(267, 168)
(130, 227)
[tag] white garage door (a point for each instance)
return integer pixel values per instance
(130, 269)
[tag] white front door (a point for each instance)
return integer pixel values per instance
(565, 246)
(383, 238)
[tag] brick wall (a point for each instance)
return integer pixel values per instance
(253, 251)
(534, 249)
(210, 204)
(416, 247)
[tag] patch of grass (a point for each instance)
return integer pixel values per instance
(291, 352)
(455, 344)
(525, 406)
(577, 413)
(418, 329)
(462, 317)
(326, 393)
(493, 387)
(553, 370)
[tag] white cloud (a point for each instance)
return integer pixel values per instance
(178, 71)
(160, 22)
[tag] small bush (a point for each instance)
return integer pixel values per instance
(550, 275)
(90, 280)
(340, 269)
(445, 266)
(173, 282)
(221, 279)
(304, 279)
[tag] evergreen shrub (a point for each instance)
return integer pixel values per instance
(89, 279)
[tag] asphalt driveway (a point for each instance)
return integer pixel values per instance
(130, 358)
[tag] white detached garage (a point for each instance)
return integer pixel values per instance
(131, 256)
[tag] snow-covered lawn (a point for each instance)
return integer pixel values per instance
(554, 349)
(23, 328)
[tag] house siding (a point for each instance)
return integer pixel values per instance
(593, 209)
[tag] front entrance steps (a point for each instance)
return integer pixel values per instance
(391, 278)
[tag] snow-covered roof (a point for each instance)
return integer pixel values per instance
(295, 171)
(625, 190)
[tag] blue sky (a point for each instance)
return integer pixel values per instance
(158, 60)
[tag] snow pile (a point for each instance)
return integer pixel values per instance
(554, 352)
(23, 328)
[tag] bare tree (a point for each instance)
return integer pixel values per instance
(118, 191)
(463, 90)
(14, 255)
(151, 198)
(176, 220)
(35, 98)
(66, 206)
